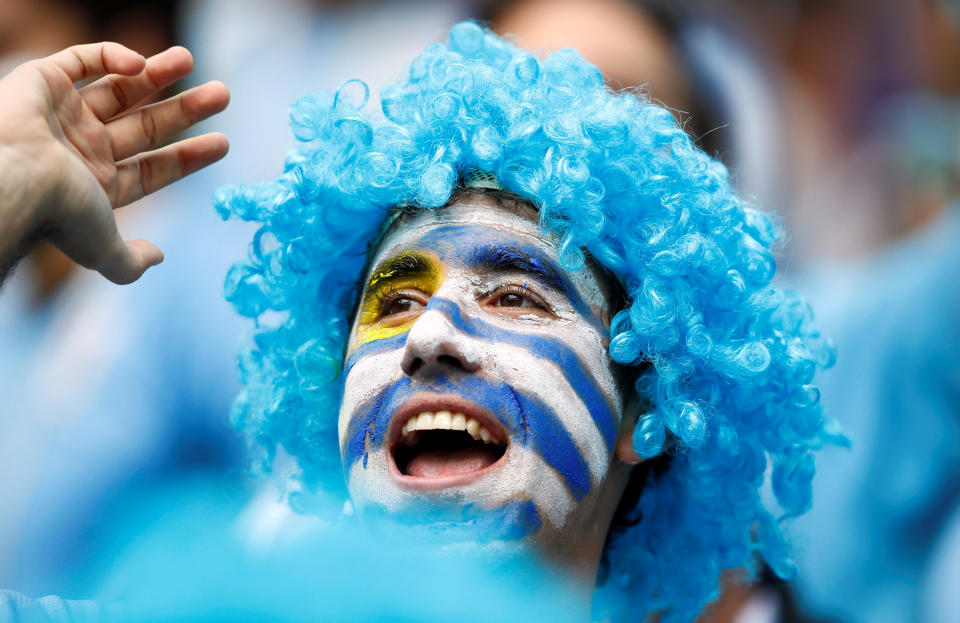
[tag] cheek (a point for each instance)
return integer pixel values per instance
(366, 378)
(555, 410)
(378, 331)
(570, 403)
(596, 358)
(595, 370)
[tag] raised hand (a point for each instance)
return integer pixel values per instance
(69, 156)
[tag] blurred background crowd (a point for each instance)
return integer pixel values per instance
(841, 115)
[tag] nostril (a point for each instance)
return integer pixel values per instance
(435, 364)
(449, 360)
(413, 365)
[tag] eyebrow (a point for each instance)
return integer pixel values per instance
(404, 266)
(514, 259)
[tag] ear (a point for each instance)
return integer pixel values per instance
(623, 446)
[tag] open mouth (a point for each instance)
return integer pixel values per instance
(443, 444)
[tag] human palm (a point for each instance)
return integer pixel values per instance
(81, 152)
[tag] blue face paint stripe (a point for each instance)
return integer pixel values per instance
(514, 520)
(553, 441)
(467, 245)
(521, 415)
(364, 424)
(374, 347)
(542, 347)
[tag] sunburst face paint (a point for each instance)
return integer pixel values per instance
(411, 270)
(478, 382)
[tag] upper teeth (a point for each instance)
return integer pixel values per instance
(445, 420)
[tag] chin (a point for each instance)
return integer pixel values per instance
(484, 504)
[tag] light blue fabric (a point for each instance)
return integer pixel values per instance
(17, 608)
(882, 507)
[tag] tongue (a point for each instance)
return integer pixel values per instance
(436, 463)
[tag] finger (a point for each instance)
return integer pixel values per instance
(141, 176)
(128, 267)
(112, 95)
(125, 262)
(96, 243)
(92, 60)
(152, 126)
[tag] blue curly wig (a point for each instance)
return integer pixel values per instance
(725, 360)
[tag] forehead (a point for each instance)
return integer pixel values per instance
(472, 219)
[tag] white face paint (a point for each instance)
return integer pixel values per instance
(478, 384)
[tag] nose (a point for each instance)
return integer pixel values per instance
(434, 345)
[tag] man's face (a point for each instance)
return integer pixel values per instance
(478, 380)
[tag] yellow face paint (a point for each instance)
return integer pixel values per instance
(410, 270)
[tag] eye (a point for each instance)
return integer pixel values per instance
(399, 305)
(515, 298)
(512, 299)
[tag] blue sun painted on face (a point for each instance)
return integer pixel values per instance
(477, 377)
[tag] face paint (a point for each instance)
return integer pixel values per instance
(478, 378)
(522, 258)
(415, 270)
(529, 420)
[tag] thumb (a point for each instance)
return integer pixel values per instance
(129, 261)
